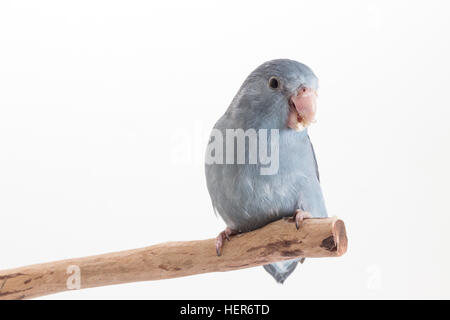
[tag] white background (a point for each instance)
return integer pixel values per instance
(105, 105)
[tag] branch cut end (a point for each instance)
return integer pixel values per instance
(340, 237)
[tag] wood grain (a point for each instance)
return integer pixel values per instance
(277, 241)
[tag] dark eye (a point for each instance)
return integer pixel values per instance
(274, 83)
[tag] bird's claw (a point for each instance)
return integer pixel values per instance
(299, 216)
(221, 238)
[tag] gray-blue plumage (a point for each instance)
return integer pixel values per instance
(247, 200)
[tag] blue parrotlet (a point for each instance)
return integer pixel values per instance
(278, 99)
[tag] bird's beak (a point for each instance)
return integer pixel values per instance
(302, 111)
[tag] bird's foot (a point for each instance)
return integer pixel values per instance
(299, 216)
(225, 234)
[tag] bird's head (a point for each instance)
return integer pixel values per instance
(279, 94)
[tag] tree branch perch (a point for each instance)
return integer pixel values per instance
(277, 241)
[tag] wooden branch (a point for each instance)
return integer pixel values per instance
(277, 241)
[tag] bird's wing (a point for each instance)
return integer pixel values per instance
(315, 159)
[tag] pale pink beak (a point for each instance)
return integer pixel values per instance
(303, 109)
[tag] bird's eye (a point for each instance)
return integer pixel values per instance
(274, 83)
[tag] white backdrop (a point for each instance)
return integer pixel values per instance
(104, 108)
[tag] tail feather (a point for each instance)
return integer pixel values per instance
(281, 270)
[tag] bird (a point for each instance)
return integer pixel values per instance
(278, 97)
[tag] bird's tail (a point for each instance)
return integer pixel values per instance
(281, 270)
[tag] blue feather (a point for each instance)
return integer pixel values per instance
(247, 200)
